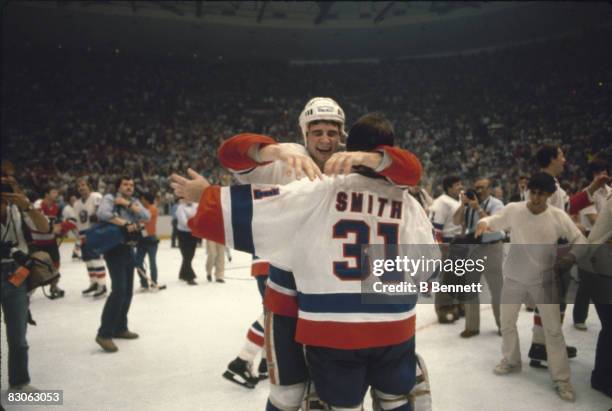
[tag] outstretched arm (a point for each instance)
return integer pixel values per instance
(244, 152)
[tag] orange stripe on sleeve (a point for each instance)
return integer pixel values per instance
(208, 221)
(405, 168)
(233, 153)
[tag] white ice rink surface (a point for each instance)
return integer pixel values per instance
(189, 334)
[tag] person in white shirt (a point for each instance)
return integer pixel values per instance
(551, 160)
(444, 207)
(530, 270)
(187, 242)
(441, 214)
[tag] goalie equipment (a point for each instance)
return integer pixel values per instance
(419, 397)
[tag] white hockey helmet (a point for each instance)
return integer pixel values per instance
(322, 108)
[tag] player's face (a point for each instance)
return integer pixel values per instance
(456, 189)
(322, 140)
(83, 189)
(538, 198)
(126, 187)
(522, 184)
(52, 195)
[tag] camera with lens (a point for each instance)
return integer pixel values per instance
(132, 238)
(471, 194)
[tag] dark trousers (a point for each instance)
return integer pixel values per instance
(121, 263)
(601, 378)
(147, 246)
(187, 244)
(15, 308)
(342, 377)
(174, 233)
(581, 303)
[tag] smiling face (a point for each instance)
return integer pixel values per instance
(322, 140)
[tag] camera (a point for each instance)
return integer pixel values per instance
(471, 194)
(5, 249)
(10, 250)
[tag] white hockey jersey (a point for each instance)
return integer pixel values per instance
(316, 230)
(85, 209)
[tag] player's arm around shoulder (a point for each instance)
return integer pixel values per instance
(234, 152)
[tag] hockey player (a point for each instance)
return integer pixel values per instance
(536, 228)
(441, 213)
(331, 321)
(69, 226)
(85, 209)
(259, 159)
(47, 242)
(239, 370)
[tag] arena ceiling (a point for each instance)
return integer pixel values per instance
(291, 30)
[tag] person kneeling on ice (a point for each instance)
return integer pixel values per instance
(345, 354)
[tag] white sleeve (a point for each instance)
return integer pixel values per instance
(181, 215)
(501, 220)
(272, 173)
(438, 212)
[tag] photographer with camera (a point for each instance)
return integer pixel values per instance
(16, 210)
(478, 203)
(126, 211)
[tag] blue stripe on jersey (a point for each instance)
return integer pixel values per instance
(242, 216)
(348, 303)
(257, 326)
(282, 278)
(438, 226)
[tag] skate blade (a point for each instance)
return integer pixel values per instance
(232, 377)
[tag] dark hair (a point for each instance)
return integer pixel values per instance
(85, 180)
(523, 177)
(46, 189)
(149, 197)
(120, 179)
(449, 181)
(370, 131)
(546, 154)
(596, 167)
(543, 182)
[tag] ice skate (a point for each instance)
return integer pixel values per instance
(239, 372)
